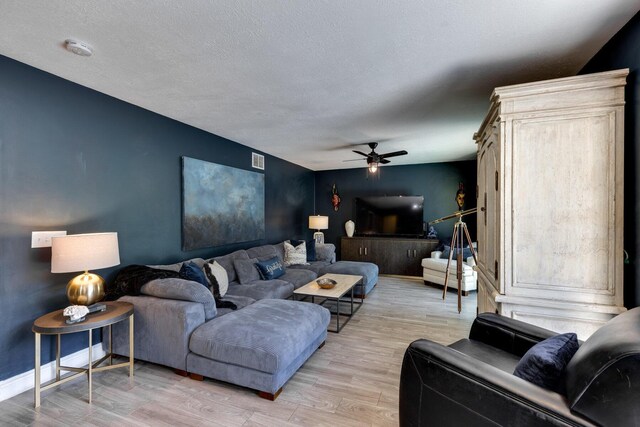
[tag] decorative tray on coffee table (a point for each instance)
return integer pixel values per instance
(326, 283)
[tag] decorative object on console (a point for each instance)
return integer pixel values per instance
(460, 232)
(460, 196)
(221, 205)
(432, 233)
(75, 313)
(335, 198)
(350, 228)
(84, 252)
(318, 222)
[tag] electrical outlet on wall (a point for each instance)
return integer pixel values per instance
(42, 239)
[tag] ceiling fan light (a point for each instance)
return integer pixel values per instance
(373, 167)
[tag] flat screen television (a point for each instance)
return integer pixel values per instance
(389, 216)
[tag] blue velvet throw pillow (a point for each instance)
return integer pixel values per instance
(544, 364)
(270, 269)
(311, 248)
(191, 271)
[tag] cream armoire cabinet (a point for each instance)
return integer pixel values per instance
(550, 198)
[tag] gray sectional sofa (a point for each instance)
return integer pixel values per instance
(259, 345)
(296, 275)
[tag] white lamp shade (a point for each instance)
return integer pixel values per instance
(83, 252)
(318, 222)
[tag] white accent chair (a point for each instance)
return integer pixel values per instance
(433, 270)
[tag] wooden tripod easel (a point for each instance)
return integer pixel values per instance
(460, 232)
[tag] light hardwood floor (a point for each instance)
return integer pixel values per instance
(351, 381)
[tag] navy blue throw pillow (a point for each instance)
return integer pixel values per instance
(544, 364)
(270, 269)
(191, 271)
(311, 248)
(466, 253)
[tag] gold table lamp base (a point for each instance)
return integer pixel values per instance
(85, 289)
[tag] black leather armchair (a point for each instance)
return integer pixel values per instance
(470, 382)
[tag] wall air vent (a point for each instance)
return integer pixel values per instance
(257, 161)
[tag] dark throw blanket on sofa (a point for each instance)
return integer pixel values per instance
(131, 279)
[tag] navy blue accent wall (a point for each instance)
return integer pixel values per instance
(77, 160)
(437, 182)
(623, 51)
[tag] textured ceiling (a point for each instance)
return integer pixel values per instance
(307, 80)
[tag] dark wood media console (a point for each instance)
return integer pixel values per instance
(393, 255)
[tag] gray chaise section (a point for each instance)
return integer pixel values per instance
(259, 346)
(272, 337)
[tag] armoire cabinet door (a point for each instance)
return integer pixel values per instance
(488, 200)
(564, 204)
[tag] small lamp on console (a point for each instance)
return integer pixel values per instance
(84, 252)
(318, 222)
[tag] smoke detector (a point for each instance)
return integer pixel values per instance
(78, 47)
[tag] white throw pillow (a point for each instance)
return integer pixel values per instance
(219, 274)
(295, 255)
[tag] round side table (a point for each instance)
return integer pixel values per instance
(54, 323)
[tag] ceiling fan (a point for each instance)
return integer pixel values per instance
(374, 159)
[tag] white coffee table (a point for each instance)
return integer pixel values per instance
(345, 285)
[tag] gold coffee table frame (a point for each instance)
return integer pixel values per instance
(54, 324)
(345, 284)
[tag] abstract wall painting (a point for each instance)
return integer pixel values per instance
(220, 205)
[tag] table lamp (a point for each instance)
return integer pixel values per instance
(318, 222)
(84, 252)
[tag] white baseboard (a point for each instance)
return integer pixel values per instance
(25, 381)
